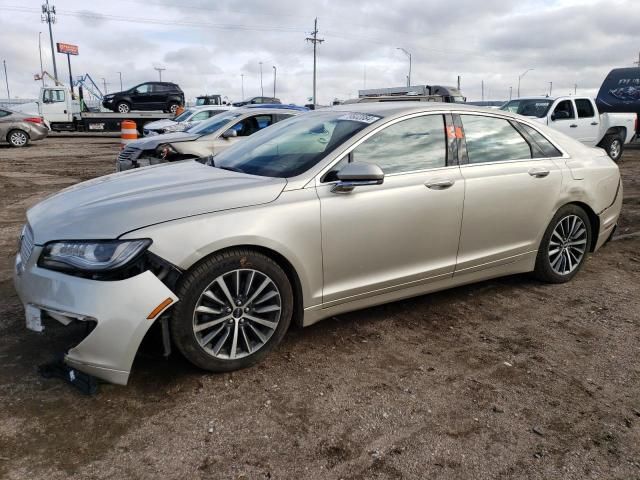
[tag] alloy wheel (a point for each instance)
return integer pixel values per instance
(18, 139)
(614, 149)
(237, 314)
(173, 108)
(567, 245)
(123, 108)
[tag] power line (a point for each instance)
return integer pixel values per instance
(315, 40)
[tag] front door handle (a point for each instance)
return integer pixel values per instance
(539, 172)
(573, 125)
(439, 184)
(594, 123)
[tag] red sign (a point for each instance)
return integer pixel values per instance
(67, 48)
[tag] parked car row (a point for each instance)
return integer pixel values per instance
(308, 217)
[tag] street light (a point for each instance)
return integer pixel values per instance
(275, 72)
(261, 87)
(242, 83)
(520, 78)
(120, 73)
(408, 55)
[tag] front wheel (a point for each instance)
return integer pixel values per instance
(564, 246)
(18, 138)
(614, 147)
(234, 308)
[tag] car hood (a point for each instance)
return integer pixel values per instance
(109, 206)
(164, 123)
(151, 143)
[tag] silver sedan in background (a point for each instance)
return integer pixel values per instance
(326, 212)
(18, 129)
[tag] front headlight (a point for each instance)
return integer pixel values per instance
(166, 150)
(91, 256)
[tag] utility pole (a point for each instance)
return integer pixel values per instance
(520, 78)
(104, 82)
(550, 88)
(120, 73)
(40, 52)
(482, 86)
(575, 88)
(6, 78)
(159, 70)
(408, 55)
(458, 82)
(242, 83)
(638, 62)
(261, 87)
(275, 73)
(364, 79)
(315, 40)
(49, 16)
(510, 93)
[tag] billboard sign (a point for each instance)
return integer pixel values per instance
(67, 48)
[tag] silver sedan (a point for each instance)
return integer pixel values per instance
(320, 214)
(18, 129)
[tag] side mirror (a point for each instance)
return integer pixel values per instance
(358, 175)
(230, 133)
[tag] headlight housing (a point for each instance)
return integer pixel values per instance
(91, 256)
(165, 151)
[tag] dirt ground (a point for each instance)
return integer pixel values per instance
(503, 379)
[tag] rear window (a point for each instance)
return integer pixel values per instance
(546, 147)
(490, 139)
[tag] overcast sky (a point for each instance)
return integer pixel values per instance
(205, 45)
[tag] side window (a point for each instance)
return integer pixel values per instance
(3, 113)
(144, 88)
(251, 125)
(585, 108)
(564, 111)
(492, 139)
(547, 148)
(53, 96)
(283, 116)
(200, 116)
(415, 144)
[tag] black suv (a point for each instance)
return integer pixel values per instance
(257, 100)
(163, 96)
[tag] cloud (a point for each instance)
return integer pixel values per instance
(206, 46)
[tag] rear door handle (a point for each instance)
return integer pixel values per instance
(439, 184)
(539, 172)
(573, 125)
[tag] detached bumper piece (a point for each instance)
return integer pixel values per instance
(83, 382)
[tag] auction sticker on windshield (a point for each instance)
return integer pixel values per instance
(359, 117)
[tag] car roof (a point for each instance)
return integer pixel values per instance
(388, 109)
(244, 110)
(210, 107)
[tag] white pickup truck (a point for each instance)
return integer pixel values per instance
(579, 118)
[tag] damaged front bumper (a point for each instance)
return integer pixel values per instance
(123, 312)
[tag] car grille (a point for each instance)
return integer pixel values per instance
(129, 153)
(26, 243)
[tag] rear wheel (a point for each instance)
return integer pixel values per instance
(123, 107)
(234, 308)
(613, 146)
(173, 107)
(564, 246)
(18, 138)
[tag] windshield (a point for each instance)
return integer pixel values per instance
(291, 147)
(214, 123)
(528, 108)
(184, 115)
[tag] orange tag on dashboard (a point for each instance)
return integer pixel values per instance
(454, 132)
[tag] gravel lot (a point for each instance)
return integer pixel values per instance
(503, 379)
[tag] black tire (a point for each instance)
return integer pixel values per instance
(614, 146)
(543, 269)
(172, 107)
(200, 279)
(18, 138)
(122, 107)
